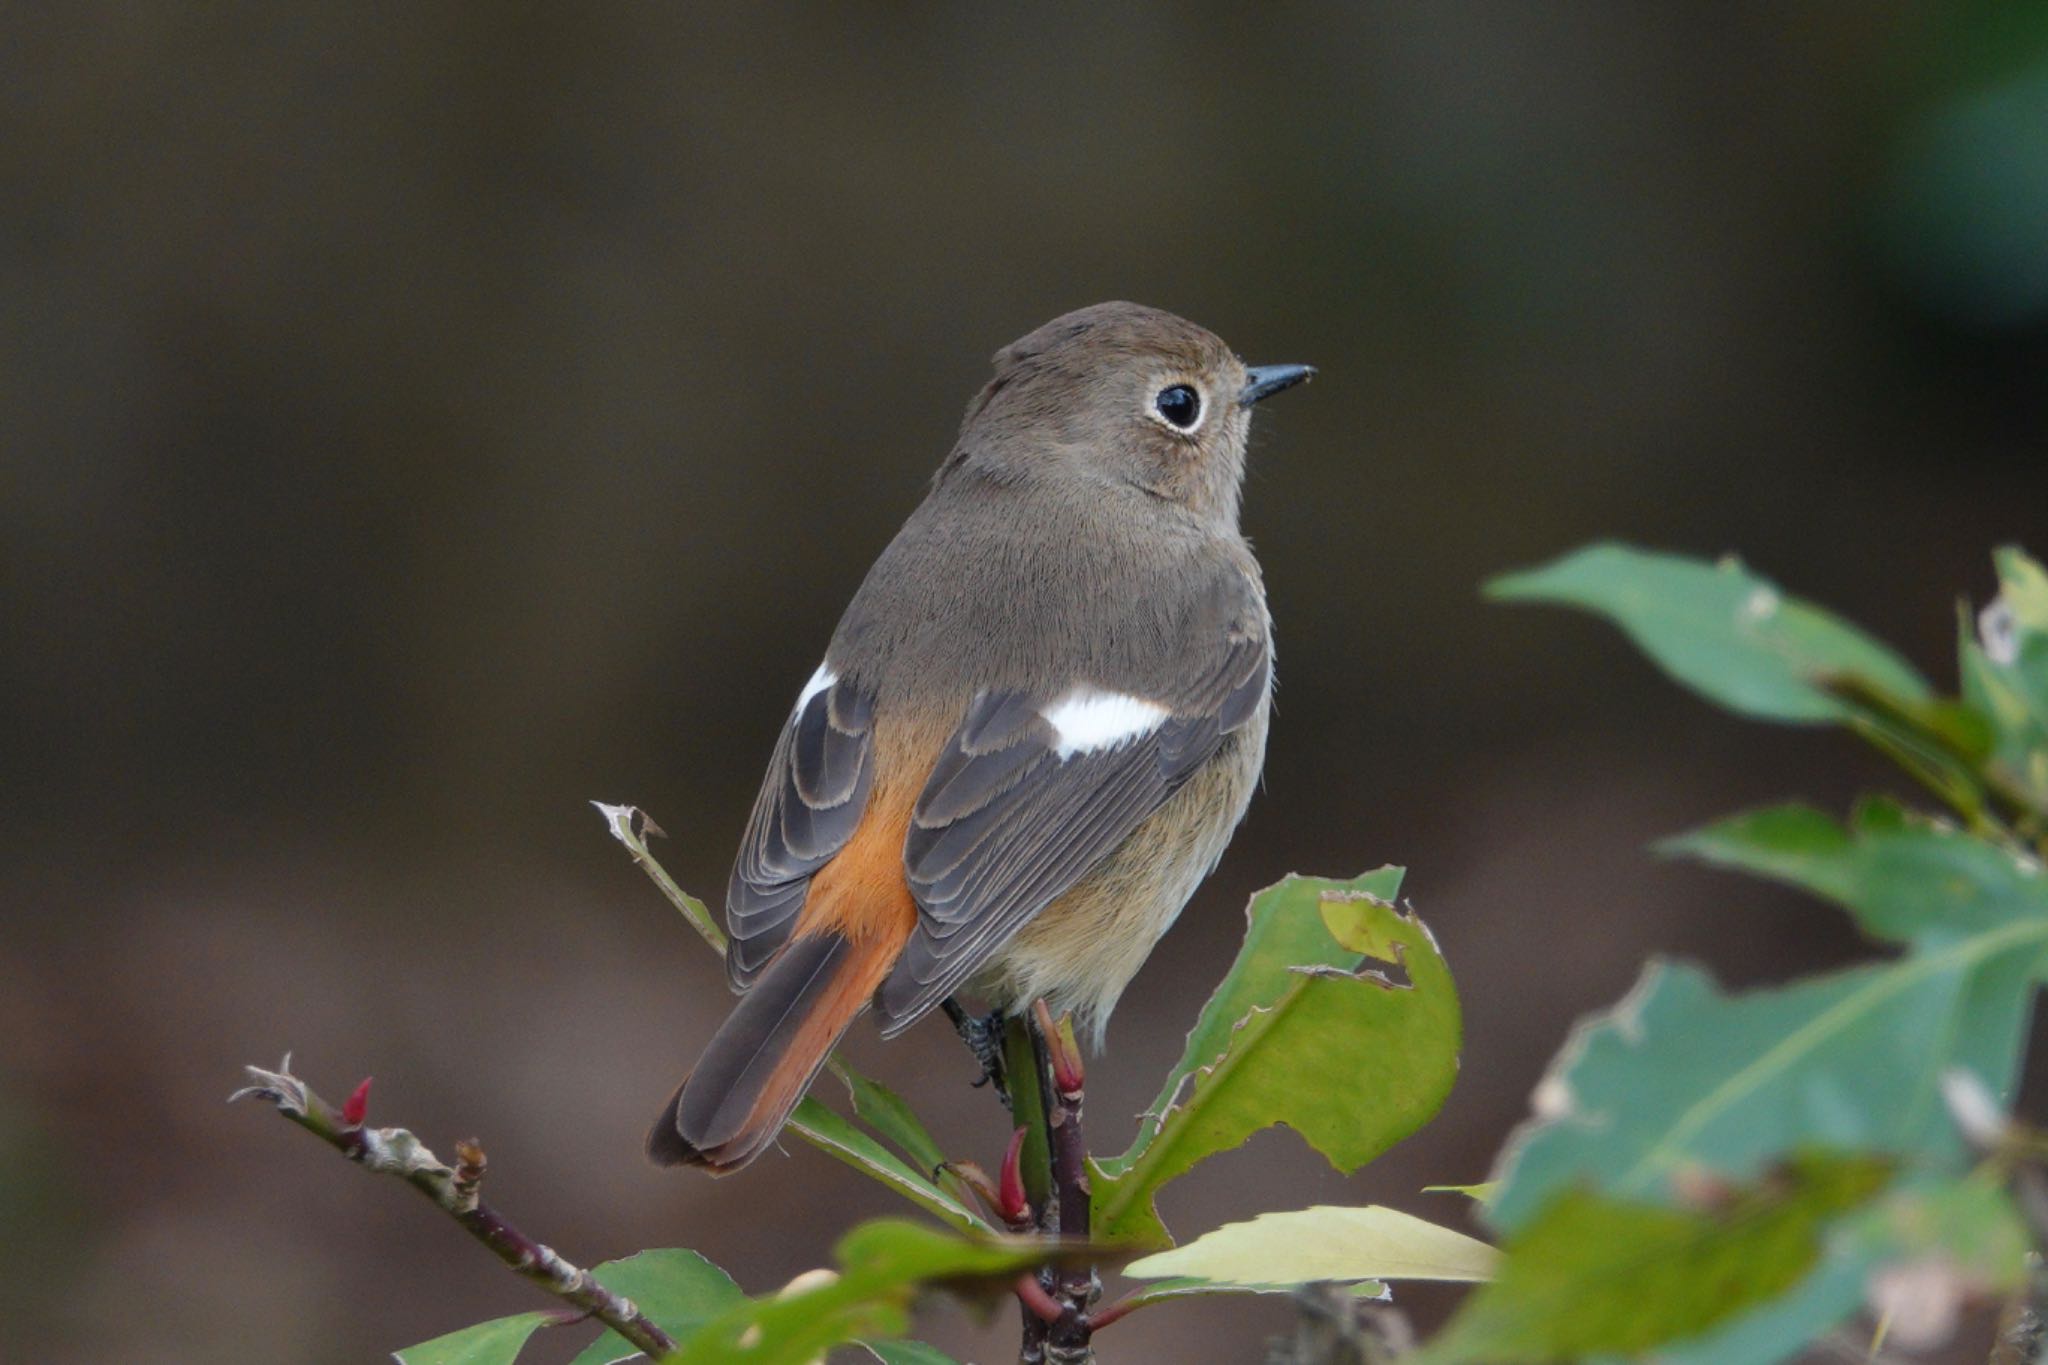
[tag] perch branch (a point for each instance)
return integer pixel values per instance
(396, 1152)
(1058, 1328)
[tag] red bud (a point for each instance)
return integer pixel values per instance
(1011, 1204)
(356, 1105)
(1041, 1304)
(1068, 1074)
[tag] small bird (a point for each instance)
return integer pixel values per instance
(1032, 733)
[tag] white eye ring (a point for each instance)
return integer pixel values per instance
(1181, 407)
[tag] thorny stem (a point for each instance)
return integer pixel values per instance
(396, 1152)
(1063, 1337)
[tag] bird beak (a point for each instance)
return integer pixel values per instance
(1263, 381)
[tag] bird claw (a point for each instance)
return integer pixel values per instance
(983, 1035)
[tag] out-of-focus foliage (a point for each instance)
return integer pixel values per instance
(1957, 216)
(1726, 632)
(1711, 1177)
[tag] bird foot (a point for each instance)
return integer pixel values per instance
(983, 1035)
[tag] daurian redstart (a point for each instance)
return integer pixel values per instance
(1032, 734)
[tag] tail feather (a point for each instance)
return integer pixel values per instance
(760, 1062)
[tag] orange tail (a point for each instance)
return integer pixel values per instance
(857, 916)
(763, 1057)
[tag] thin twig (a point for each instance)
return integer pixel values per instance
(396, 1152)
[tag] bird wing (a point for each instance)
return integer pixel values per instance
(1034, 789)
(810, 804)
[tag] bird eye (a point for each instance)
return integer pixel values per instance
(1180, 405)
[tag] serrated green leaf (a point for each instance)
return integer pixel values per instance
(1591, 1275)
(1680, 1077)
(1900, 876)
(881, 1265)
(1274, 945)
(1304, 1031)
(497, 1342)
(1323, 1243)
(678, 1289)
(1729, 634)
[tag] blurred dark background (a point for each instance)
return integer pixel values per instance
(416, 421)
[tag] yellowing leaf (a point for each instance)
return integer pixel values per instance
(1324, 1243)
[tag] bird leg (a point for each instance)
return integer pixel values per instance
(983, 1035)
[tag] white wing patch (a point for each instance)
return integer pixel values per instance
(1088, 720)
(820, 680)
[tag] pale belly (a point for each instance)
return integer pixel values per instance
(1080, 952)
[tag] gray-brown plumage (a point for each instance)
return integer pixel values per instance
(1033, 730)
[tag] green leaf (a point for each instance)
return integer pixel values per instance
(885, 1111)
(906, 1353)
(1479, 1194)
(1323, 1243)
(1785, 1326)
(1592, 1275)
(2023, 583)
(1941, 744)
(679, 1290)
(1306, 1030)
(1966, 1232)
(1026, 1079)
(1901, 876)
(890, 1115)
(1971, 1222)
(831, 1133)
(882, 1264)
(1274, 945)
(1721, 630)
(2004, 667)
(1963, 1237)
(1681, 1078)
(497, 1342)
